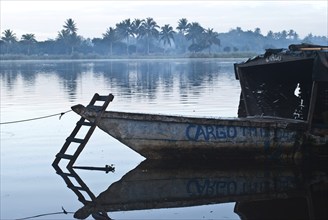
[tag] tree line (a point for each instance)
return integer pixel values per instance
(146, 37)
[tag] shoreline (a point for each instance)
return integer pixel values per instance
(20, 57)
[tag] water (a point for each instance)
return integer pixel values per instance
(32, 89)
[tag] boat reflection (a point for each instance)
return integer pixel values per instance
(260, 190)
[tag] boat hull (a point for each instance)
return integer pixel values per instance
(157, 136)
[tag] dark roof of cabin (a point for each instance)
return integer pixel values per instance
(295, 52)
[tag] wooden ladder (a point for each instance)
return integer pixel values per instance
(79, 186)
(82, 122)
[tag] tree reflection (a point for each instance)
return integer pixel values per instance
(138, 78)
(68, 74)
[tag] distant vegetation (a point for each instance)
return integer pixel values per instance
(144, 38)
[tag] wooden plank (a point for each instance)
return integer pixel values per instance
(77, 188)
(312, 104)
(64, 156)
(102, 98)
(76, 140)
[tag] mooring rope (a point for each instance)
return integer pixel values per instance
(32, 119)
(55, 213)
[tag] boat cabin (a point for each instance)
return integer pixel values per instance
(285, 83)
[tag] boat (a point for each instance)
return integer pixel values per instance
(273, 121)
(298, 189)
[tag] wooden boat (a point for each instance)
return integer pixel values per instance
(161, 136)
(273, 122)
(171, 184)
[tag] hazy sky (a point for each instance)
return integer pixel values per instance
(45, 18)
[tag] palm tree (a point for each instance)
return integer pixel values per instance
(9, 38)
(166, 35)
(136, 29)
(292, 34)
(64, 36)
(29, 39)
(149, 30)
(69, 35)
(194, 32)
(270, 35)
(295, 36)
(211, 37)
(136, 26)
(111, 37)
(181, 40)
(283, 35)
(183, 25)
(257, 31)
(70, 26)
(124, 31)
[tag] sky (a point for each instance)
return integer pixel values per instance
(45, 18)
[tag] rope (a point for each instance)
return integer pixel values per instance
(55, 213)
(32, 119)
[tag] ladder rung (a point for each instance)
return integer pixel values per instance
(87, 123)
(65, 156)
(77, 187)
(102, 98)
(96, 107)
(77, 140)
(65, 174)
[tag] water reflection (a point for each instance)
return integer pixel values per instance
(260, 190)
(138, 77)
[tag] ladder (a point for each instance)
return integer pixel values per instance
(82, 122)
(78, 186)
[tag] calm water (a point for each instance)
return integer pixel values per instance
(30, 185)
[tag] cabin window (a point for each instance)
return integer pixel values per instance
(269, 89)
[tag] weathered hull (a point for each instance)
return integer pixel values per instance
(163, 137)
